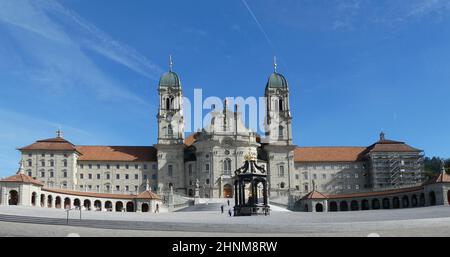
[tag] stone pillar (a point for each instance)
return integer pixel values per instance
(170, 199)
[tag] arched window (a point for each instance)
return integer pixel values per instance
(282, 185)
(170, 130)
(170, 170)
(227, 166)
(213, 120)
(281, 171)
(280, 105)
(280, 131)
(167, 103)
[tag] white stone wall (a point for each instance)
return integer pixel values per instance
(330, 177)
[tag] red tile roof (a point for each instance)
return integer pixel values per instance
(441, 178)
(190, 140)
(328, 154)
(22, 178)
(117, 153)
(149, 195)
(52, 144)
(385, 145)
(314, 195)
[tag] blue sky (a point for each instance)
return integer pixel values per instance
(355, 67)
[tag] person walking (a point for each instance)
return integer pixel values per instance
(229, 212)
(157, 208)
(221, 208)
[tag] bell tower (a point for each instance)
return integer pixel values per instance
(170, 113)
(278, 123)
(170, 144)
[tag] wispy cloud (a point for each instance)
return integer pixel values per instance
(59, 40)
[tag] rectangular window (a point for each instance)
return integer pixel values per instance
(90, 187)
(42, 174)
(356, 187)
(108, 188)
(108, 176)
(305, 175)
(154, 177)
(52, 164)
(127, 176)
(30, 163)
(324, 176)
(42, 163)
(98, 187)
(81, 166)
(65, 163)
(281, 171)
(136, 176)
(145, 177)
(127, 166)
(306, 188)
(118, 166)
(30, 174)
(81, 176)
(65, 174)
(98, 166)
(207, 167)
(90, 166)
(108, 166)
(356, 175)
(154, 166)
(118, 188)
(135, 188)
(117, 176)
(297, 176)
(98, 176)
(90, 176)
(170, 170)
(127, 188)
(297, 187)
(136, 167)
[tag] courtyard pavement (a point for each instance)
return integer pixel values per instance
(35, 221)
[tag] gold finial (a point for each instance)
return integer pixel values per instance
(170, 62)
(250, 156)
(275, 63)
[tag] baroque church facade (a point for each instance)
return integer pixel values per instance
(208, 158)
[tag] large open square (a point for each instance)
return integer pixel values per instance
(26, 221)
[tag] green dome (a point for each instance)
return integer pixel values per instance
(276, 80)
(169, 79)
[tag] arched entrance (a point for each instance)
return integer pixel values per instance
(354, 206)
(333, 206)
(98, 205)
(386, 203)
(130, 207)
(432, 196)
(375, 204)
(144, 207)
(77, 203)
(395, 203)
(119, 206)
(33, 199)
(58, 202)
(42, 200)
(405, 201)
(319, 207)
(49, 201)
(87, 204)
(343, 206)
(365, 205)
(108, 205)
(422, 199)
(227, 191)
(67, 203)
(190, 192)
(414, 202)
(13, 197)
